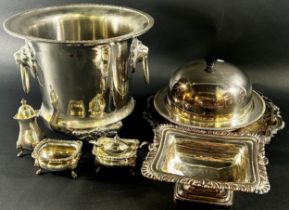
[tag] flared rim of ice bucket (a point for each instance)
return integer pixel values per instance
(17, 24)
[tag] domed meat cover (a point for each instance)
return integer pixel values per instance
(211, 94)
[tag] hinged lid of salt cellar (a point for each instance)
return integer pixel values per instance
(210, 94)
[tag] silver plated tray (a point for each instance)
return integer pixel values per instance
(267, 126)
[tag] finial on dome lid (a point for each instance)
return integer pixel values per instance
(211, 61)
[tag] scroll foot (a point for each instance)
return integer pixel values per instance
(38, 172)
(20, 153)
(73, 175)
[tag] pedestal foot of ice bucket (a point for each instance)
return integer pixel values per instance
(95, 133)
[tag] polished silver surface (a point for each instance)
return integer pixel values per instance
(174, 115)
(115, 152)
(267, 126)
(209, 94)
(79, 24)
(191, 193)
(57, 155)
(210, 88)
(208, 159)
(29, 134)
(82, 56)
(95, 133)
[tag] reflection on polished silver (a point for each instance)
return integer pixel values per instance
(191, 193)
(218, 99)
(208, 159)
(29, 132)
(116, 152)
(179, 117)
(83, 56)
(57, 155)
(267, 126)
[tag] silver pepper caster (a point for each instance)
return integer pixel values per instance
(29, 131)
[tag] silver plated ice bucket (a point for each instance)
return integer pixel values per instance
(82, 56)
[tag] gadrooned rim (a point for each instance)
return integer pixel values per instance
(149, 18)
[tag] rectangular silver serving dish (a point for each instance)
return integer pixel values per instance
(213, 160)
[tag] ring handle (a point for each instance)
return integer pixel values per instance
(139, 53)
(26, 60)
